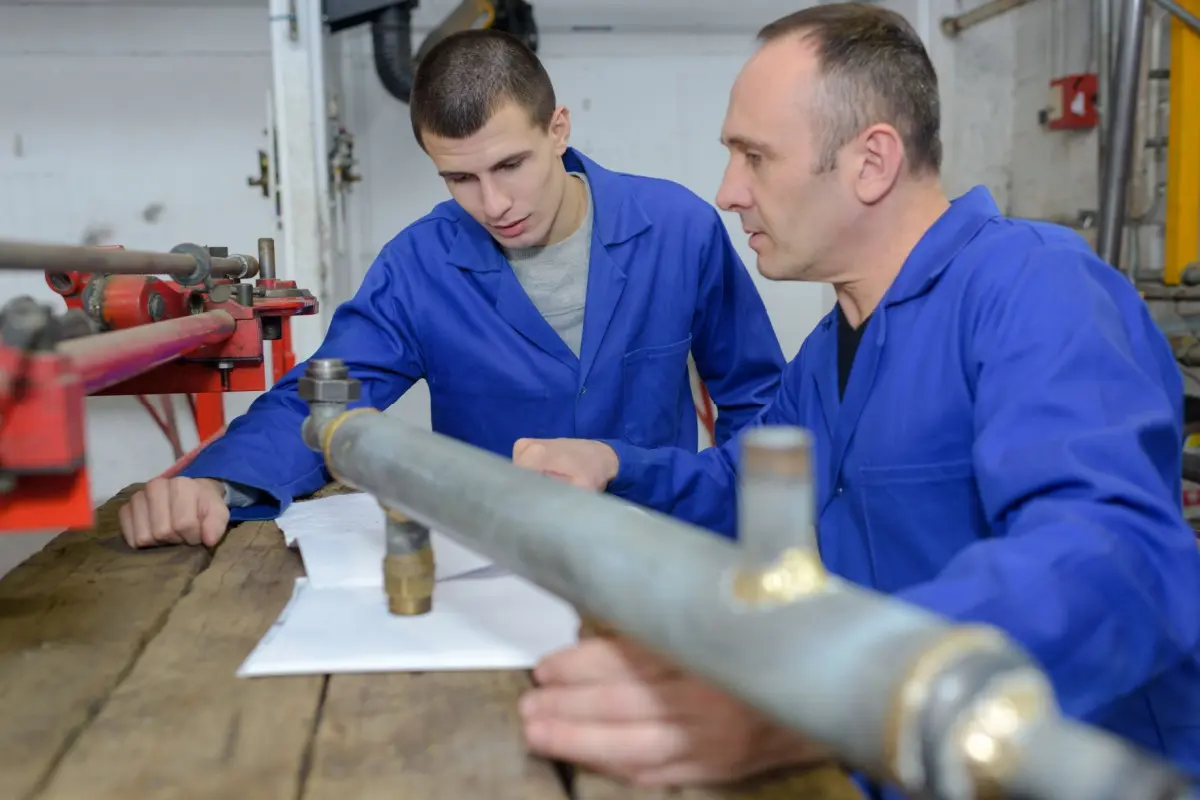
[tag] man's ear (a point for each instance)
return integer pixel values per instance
(560, 129)
(881, 160)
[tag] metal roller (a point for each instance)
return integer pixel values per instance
(185, 261)
(106, 359)
(939, 710)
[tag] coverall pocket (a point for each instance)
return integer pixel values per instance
(917, 517)
(654, 380)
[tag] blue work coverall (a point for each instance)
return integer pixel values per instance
(1008, 451)
(441, 303)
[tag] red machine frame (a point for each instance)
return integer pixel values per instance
(200, 334)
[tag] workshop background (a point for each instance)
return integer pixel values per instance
(141, 124)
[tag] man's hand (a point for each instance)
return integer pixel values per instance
(175, 511)
(610, 706)
(579, 462)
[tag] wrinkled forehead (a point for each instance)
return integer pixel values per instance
(772, 99)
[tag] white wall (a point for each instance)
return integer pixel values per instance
(995, 78)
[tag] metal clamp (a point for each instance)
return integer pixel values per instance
(203, 272)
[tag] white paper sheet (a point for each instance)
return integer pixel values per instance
(341, 540)
(338, 621)
(493, 623)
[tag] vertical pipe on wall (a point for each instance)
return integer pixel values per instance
(1120, 131)
(1102, 41)
(298, 109)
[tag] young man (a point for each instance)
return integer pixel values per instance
(549, 297)
(996, 422)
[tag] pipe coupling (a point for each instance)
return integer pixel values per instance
(408, 579)
(958, 712)
(989, 738)
(408, 565)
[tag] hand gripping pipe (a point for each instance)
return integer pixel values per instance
(938, 710)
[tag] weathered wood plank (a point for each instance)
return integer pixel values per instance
(73, 620)
(817, 783)
(181, 724)
(427, 736)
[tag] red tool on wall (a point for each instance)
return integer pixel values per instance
(1073, 103)
(126, 332)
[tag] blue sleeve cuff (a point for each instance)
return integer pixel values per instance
(631, 467)
(248, 500)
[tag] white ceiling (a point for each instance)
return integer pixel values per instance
(550, 14)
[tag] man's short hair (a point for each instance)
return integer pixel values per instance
(465, 78)
(874, 69)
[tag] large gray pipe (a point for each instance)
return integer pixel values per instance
(1120, 124)
(941, 711)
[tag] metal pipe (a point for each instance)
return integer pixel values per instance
(72, 258)
(619, 563)
(106, 359)
(953, 26)
(1102, 41)
(1121, 124)
(775, 512)
(266, 258)
(940, 710)
(1180, 13)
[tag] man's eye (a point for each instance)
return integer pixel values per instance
(510, 166)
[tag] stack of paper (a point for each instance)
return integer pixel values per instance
(338, 621)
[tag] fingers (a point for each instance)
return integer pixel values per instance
(214, 520)
(623, 749)
(125, 518)
(624, 702)
(181, 508)
(141, 533)
(173, 511)
(528, 452)
(601, 660)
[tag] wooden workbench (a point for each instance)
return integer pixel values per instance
(117, 681)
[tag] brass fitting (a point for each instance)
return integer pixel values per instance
(796, 574)
(408, 566)
(989, 739)
(995, 697)
(408, 581)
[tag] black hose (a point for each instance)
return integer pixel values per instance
(391, 39)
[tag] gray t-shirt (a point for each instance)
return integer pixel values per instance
(555, 276)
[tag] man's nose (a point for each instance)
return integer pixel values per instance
(495, 202)
(732, 193)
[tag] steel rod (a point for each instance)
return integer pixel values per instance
(1121, 125)
(876, 680)
(1103, 42)
(953, 26)
(35, 257)
(106, 359)
(1180, 13)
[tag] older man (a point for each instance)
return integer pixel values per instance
(997, 422)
